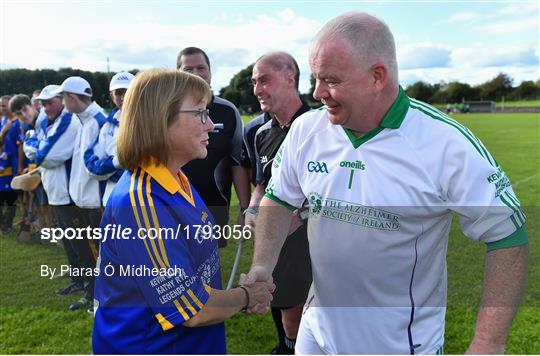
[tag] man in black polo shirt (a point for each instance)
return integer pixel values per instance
(212, 176)
(248, 150)
(275, 84)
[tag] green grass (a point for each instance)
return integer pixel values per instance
(34, 320)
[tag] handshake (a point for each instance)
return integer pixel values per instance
(258, 286)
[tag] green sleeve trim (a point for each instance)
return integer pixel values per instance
(279, 201)
(517, 238)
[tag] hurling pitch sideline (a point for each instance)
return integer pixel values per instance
(34, 320)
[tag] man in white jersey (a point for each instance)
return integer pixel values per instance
(84, 190)
(100, 157)
(383, 175)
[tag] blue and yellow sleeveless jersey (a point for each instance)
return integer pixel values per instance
(9, 159)
(137, 310)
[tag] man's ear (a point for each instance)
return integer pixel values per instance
(290, 80)
(379, 74)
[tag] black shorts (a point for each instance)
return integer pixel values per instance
(292, 274)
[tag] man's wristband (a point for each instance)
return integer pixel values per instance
(250, 210)
(247, 296)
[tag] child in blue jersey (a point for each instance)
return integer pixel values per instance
(158, 290)
(100, 157)
(9, 163)
(21, 106)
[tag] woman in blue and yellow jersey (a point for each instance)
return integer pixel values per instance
(158, 287)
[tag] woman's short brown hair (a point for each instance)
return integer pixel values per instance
(149, 107)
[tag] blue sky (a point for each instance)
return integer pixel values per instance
(436, 41)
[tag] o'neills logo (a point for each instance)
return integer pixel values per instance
(353, 164)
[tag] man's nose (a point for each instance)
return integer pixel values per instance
(320, 91)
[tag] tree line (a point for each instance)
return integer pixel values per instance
(499, 88)
(16, 81)
(240, 90)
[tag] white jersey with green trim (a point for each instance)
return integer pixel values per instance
(381, 207)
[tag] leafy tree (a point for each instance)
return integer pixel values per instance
(527, 90)
(240, 91)
(496, 88)
(15, 81)
(231, 94)
(421, 91)
(458, 92)
(439, 93)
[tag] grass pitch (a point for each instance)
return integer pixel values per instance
(34, 320)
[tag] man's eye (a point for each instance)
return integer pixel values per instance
(330, 82)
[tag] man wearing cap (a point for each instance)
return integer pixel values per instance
(212, 177)
(84, 190)
(51, 147)
(100, 158)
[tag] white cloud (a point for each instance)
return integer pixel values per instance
(422, 55)
(519, 9)
(483, 55)
(234, 39)
(461, 17)
(526, 24)
(474, 64)
(287, 15)
(518, 18)
(149, 43)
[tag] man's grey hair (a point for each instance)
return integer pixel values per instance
(369, 36)
(282, 61)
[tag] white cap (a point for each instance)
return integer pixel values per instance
(49, 92)
(121, 80)
(76, 85)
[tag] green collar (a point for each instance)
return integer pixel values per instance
(392, 120)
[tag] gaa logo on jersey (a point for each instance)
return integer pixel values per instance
(317, 167)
